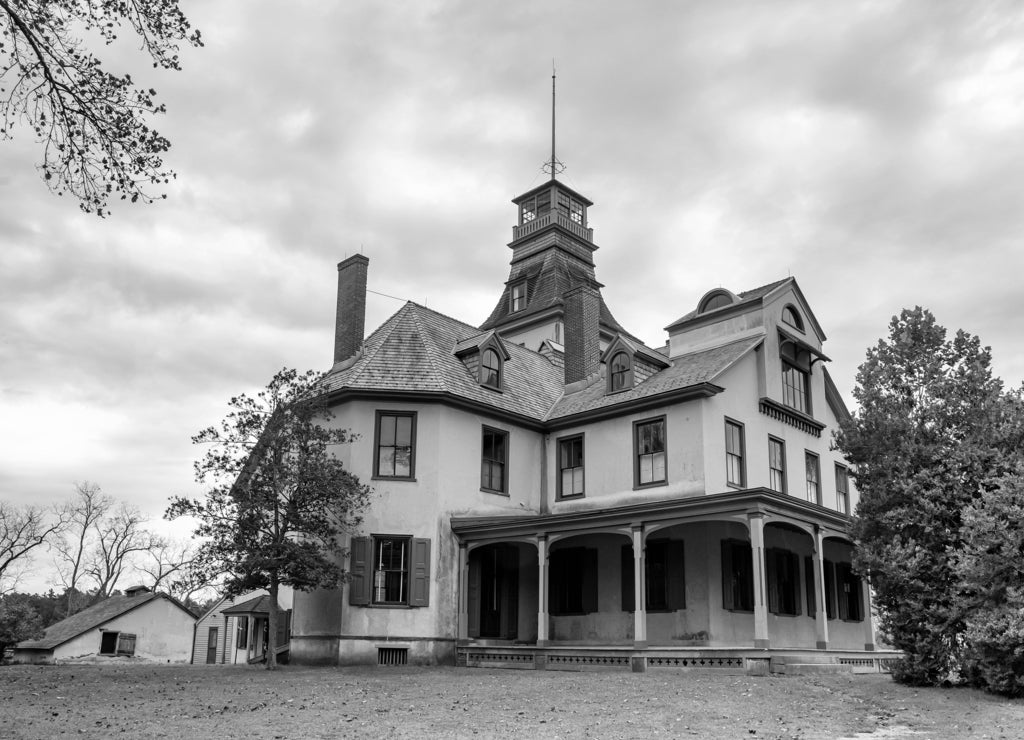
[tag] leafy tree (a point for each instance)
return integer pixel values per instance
(278, 497)
(991, 568)
(924, 445)
(18, 621)
(92, 124)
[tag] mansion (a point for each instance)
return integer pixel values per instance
(552, 492)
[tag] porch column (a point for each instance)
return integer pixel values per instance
(820, 610)
(463, 592)
(756, 522)
(869, 622)
(639, 590)
(542, 587)
(250, 631)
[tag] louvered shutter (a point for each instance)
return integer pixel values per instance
(728, 602)
(812, 607)
(359, 571)
(675, 574)
(772, 563)
(627, 579)
(589, 562)
(419, 594)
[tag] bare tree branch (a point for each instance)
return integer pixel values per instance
(92, 124)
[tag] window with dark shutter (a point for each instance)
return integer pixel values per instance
(783, 582)
(389, 570)
(572, 581)
(737, 576)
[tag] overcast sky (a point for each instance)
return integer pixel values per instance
(873, 150)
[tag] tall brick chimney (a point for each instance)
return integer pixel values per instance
(582, 332)
(351, 318)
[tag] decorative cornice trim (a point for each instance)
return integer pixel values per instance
(795, 418)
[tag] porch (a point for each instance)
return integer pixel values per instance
(747, 581)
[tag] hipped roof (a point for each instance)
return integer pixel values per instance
(414, 352)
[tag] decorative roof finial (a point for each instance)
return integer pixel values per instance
(554, 166)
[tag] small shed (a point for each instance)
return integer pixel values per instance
(139, 624)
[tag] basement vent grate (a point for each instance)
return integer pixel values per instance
(392, 656)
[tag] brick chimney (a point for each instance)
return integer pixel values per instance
(351, 317)
(582, 332)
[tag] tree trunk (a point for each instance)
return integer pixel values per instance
(272, 625)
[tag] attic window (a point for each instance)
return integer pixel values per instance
(490, 369)
(791, 317)
(714, 301)
(620, 372)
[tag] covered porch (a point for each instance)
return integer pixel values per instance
(748, 581)
(252, 630)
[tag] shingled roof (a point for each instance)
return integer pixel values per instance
(415, 351)
(686, 371)
(93, 617)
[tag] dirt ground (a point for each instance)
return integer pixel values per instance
(134, 700)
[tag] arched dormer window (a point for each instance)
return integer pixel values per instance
(620, 372)
(490, 369)
(715, 299)
(792, 317)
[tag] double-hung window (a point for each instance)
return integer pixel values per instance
(570, 467)
(391, 570)
(494, 459)
(796, 377)
(776, 464)
(813, 477)
(842, 490)
(395, 445)
(735, 473)
(649, 452)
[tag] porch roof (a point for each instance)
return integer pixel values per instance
(256, 605)
(776, 507)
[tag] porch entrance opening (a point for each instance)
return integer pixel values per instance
(494, 592)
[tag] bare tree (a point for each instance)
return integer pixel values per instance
(22, 530)
(166, 563)
(118, 538)
(84, 512)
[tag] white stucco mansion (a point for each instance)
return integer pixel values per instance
(553, 493)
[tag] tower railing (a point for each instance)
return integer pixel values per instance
(549, 218)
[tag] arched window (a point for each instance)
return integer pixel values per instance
(791, 317)
(621, 372)
(715, 300)
(490, 369)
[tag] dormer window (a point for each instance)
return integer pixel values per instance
(620, 372)
(517, 297)
(791, 317)
(714, 300)
(490, 369)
